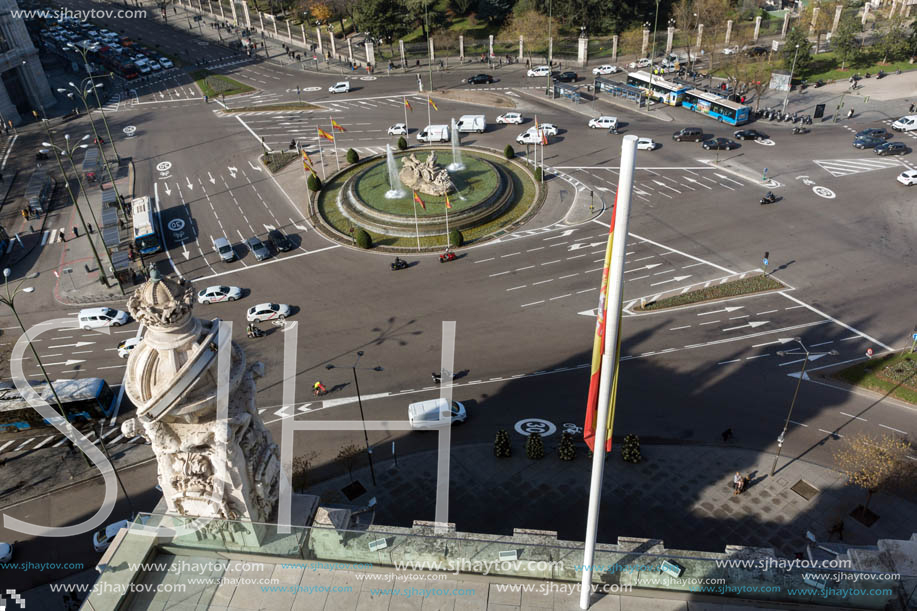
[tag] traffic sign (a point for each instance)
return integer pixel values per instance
(869, 352)
(765, 261)
(914, 336)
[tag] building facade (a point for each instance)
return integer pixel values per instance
(23, 84)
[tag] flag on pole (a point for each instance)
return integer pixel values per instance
(419, 201)
(336, 125)
(432, 103)
(598, 347)
(325, 134)
(540, 132)
(448, 203)
(408, 104)
(306, 162)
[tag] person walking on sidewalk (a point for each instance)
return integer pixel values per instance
(727, 435)
(736, 483)
(76, 232)
(63, 238)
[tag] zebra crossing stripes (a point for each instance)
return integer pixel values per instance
(846, 167)
(36, 443)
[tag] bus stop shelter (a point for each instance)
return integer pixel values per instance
(90, 168)
(619, 89)
(571, 92)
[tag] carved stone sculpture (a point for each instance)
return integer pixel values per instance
(425, 176)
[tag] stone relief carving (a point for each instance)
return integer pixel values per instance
(425, 176)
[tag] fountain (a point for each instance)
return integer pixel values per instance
(396, 190)
(456, 164)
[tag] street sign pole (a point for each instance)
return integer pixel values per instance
(765, 261)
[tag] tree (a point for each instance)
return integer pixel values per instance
(461, 7)
(845, 39)
(686, 21)
(402, 143)
(591, 14)
(632, 39)
(819, 24)
(456, 238)
(566, 450)
(352, 156)
(630, 450)
(874, 463)
(757, 77)
(362, 238)
(893, 41)
(320, 12)
(384, 19)
(713, 14)
(534, 446)
(348, 455)
(502, 448)
(794, 37)
(494, 11)
(424, 13)
(509, 152)
(532, 25)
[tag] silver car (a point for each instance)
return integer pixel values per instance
(258, 248)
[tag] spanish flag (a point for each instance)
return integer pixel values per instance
(325, 134)
(540, 132)
(408, 104)
(598, 347)
(335, 125)
(432, 103)
(448, 203)
(305, 157)
(417, 200)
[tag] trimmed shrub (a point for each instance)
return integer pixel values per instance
(534, 446)
(314, 183)
(630, 451)
(566, 450)
(509, 152)
(352, 156)
(402, 143)
(456, 238)
(538, 174)
(363, 239)
(502, 448)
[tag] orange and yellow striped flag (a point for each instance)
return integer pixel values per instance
(336, 125)
(419, 201)
(432, 103)
(408, 104)
(325, 134)
(448, 203)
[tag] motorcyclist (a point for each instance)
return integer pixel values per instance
(399, 262)
(769, 196)
(436, 377)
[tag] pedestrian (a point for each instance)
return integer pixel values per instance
(911, 110)
(736, 483)
(76, 232)
(837, 529)
(63, 238)
(89, 227)
(206, 99)
(727, 435)
(849, 113)
(24, 213)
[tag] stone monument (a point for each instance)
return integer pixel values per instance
(172, 379)
(425, 176)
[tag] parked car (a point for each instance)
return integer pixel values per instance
(908, 178)
(604, 69)
(567, 77)
(480, 79)
(268, 311)
(749, 134)
(645, 144)
(398, 129)
(730, 50)
(719, 144)
(756, 50)
(892, 148)
(279, 240)
(867, 142)
(224, 249)
(94, 318)
(510, 117)
(340, 87)
(166, 63)
(874, 132)
(126, 346)
(688, 134)
(539, 71)
(216, 294)
(103, 538)
(644, 62)
(258, 248)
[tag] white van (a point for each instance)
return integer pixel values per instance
(905, 124)
(434, 133)
(93, 318)
(603, 122)
(426, 414)
(471, 123)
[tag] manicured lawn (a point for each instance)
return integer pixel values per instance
(214, 85)
(268, 107)
(278, 160)
(745, 286)
(893, 374)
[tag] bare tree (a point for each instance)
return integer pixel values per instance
(874, 463)
(686, 19)
(349, 454)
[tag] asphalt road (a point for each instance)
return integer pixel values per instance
(523, 304)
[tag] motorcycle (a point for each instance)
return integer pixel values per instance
(436, 377)
(254, 331)
(447, 256)
(880, 74)
(399, 264)
(769, 198)
(807, 119)
(787, 118)
(41, 156)
(796, 118)
(801, 130)
(819, 83)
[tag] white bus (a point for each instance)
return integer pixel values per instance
(657, 87)
(146, 240)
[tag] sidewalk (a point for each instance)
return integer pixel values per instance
(680, 493)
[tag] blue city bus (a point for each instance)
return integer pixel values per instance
(657, 87)
(716, 107)
(146, 240)
(84, 400)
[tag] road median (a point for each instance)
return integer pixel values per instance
(760, 283)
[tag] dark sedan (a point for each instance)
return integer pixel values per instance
(719, 144)
(480, 79)
(567, 77)
(749, 134)
(874, 132)
(867, 142)
(281, 242)
(892, 148)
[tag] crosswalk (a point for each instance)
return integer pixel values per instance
(111, 437)
(48, 236)
(846, 167)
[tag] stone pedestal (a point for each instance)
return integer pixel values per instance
(614, 49)
(370, 53)
(728, 32)
(646, 42)
(757, 28)
(670, 34)
(582, 50)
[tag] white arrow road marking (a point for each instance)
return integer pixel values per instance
(675, 279)
(697, 182)
(726, 309)
(300, 227)
(592, 312)
(76, 345)
(213, 180)
(65, 363)
(304, 408)
(805, 376)
(190, 186)
(282, 412)
(752, 325)
(727, 178)
(167, 189)
(650, 266)
(184, 251)
(268, 227)
(254, 167)
(561, 235)
(232, 170)
(662, 184)
(580, 245)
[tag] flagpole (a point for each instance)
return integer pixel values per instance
(334, 141)
(404, 105)
(447, 227)
(429, 120)
(321, 155)
(610, 358)
(416, 225)
(305, 174)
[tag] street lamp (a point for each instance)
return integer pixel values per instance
(111, 140)
(356, 382)
(57, 153)
(786, 98)
(809, 356)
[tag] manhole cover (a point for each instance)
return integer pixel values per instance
(805, 490)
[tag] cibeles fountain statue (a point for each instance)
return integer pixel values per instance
(172, 380)
(425, 176)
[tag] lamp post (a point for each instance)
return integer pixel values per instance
(111, 140)
(809, 356)
(57, 154)
(786, 98)
(356, 382)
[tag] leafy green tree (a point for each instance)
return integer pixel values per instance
(425, 13)
(456, 238)
(363, 239)
(385, 19)
(893, 41)
(314, 183)
(845, 40)
(352, 156)
(794, 37)
(402, 143)
(461, 7)
(509, 152)
(494, 11)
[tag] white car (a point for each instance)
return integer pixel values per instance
(341, 87)
(268, 311)
(604, 122)
(166, 63)
(510, 117)
(103, 538)
(539, 71)
(730, 50)
(6, 552)
(908, 177)
(398, 129)
(94, 318)
(645, 144)
(126, 346)
(216, 294)
(549, 129)
(529, 137)
(154, 65)
(905, 124)
(605, 69)
(644, 62)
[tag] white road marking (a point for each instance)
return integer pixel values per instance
(852, 416)
(893, 429)
(836, 321)
(678, 328)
